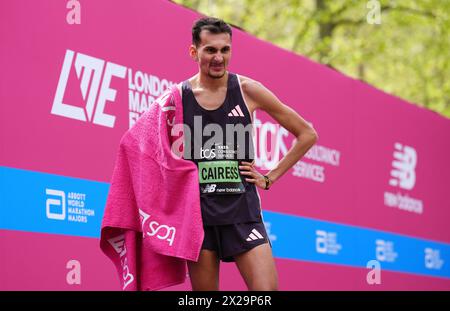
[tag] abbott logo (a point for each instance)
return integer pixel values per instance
(73, 276)
(89, 71)
(57, 202)
(385, 251)
(403, 173)
(270, 234)
(433, 259)
(326, 243)
(374, 275)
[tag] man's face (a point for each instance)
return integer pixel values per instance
(212, 54)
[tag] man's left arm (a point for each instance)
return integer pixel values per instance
(262, 98)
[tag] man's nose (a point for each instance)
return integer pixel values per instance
(218, 58)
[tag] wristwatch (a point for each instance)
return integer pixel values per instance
(268, 182)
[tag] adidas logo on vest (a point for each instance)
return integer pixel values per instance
(236, 112)
(254, 235)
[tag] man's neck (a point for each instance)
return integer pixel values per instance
(206, 82)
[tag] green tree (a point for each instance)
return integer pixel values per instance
(406, 55)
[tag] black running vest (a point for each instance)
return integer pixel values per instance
(219, 140)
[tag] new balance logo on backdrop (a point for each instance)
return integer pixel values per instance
(403, 172)
(254, 235)
(236, 112)
(403, 177)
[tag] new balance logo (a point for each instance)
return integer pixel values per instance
(236, 112)
(254, 235)
(210, 188)
(403, 173)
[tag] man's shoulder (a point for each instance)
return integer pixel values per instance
(180, 84)
(249, 85)
(246, 79)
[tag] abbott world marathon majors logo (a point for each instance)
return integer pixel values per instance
(403, 178)
(327, 243)
(95, 76)
(70, 207)
(385, 251)
(433, 259)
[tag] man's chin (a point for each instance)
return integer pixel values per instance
(216, 75)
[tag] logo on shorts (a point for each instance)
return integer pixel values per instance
(254, 235)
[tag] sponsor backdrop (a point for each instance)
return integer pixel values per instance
(365, 209)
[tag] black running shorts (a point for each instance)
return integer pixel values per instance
(231, 240)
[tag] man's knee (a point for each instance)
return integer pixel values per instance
(264, 285)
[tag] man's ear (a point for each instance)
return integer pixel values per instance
(193, 52)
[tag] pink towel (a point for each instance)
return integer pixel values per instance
(152, 222)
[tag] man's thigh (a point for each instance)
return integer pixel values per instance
(257, 267)
(204, 274)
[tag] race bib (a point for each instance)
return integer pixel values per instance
(220, 177)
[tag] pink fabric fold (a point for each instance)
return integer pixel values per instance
(152, 221)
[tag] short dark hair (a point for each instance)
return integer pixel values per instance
(212, 24)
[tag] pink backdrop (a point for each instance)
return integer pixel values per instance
(344, 179)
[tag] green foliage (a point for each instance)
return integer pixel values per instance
(406, 55)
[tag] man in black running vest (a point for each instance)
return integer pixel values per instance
(220, 102)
